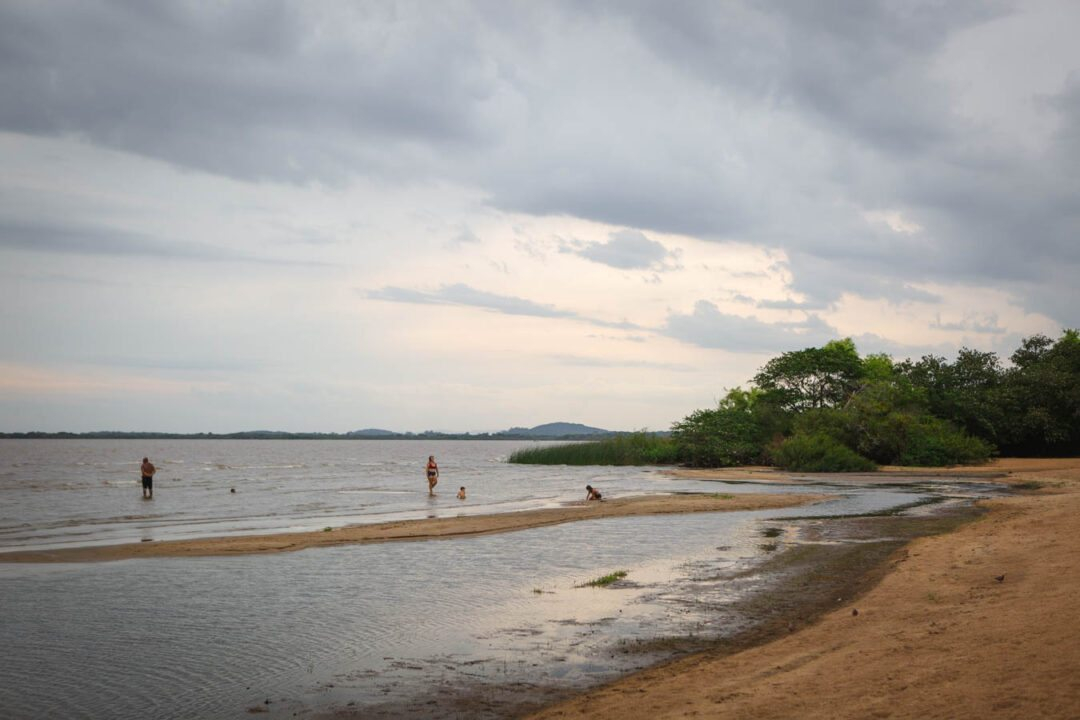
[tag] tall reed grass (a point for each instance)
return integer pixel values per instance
(638, 448)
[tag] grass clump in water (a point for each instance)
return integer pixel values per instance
(605, 580)
(639, 448)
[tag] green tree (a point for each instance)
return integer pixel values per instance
(878, 366)
(887, 422)
(814, 377)
(964, 392)
(879, 416)
(728, 435)
(1040, 397)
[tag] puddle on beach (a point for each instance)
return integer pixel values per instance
(572, 638)
(482, 627)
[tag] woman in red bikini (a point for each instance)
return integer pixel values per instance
(432, 474)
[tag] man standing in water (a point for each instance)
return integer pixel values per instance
(148, 471)
(432, 474)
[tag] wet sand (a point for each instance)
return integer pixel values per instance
(980, 622)
(426, 529)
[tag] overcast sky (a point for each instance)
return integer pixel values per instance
(464, 216)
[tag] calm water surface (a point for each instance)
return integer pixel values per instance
(368, 624)
(57, 493)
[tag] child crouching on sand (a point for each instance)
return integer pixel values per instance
(592, 493)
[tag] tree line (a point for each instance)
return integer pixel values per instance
(829, 409)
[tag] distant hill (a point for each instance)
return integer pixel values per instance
(548, 431)
(371, 432)
(557, 430)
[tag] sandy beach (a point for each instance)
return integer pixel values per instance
(980, 622)
(426, 529)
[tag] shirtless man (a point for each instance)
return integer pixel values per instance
(148, 471)
(432, 474)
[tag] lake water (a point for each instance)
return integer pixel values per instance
(372, 625)
(57, 493)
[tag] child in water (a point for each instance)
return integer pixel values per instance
(592, 493)
(461, 493)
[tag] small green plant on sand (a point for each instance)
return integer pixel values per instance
(327, 529)
(605, 580)
(723, 496)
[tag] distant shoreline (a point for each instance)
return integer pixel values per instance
(273, 435)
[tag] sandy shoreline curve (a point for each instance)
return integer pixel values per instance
(980, 622)
(412, 530)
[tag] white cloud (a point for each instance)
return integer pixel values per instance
(894, 220)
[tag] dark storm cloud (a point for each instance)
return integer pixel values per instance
(465, 236)
(660, 197)
(90, 241)
(987, 325)
(245, 89)
(825, 280)
(466, 296)
(625, 250)
(777, 124)
(707, 327)
(787, 304)
(188, 364)
(863, 75)
(86, 240)
(580, 361)
(859, 66)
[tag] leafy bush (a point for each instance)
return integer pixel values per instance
(819, 452)
(726, 436)
(934, 442)
(835, 423)
(887, 422)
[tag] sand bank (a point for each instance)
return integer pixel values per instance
(426, 529)
(981, 622)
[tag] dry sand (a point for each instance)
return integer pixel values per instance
(980, 623)
(427, 529)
